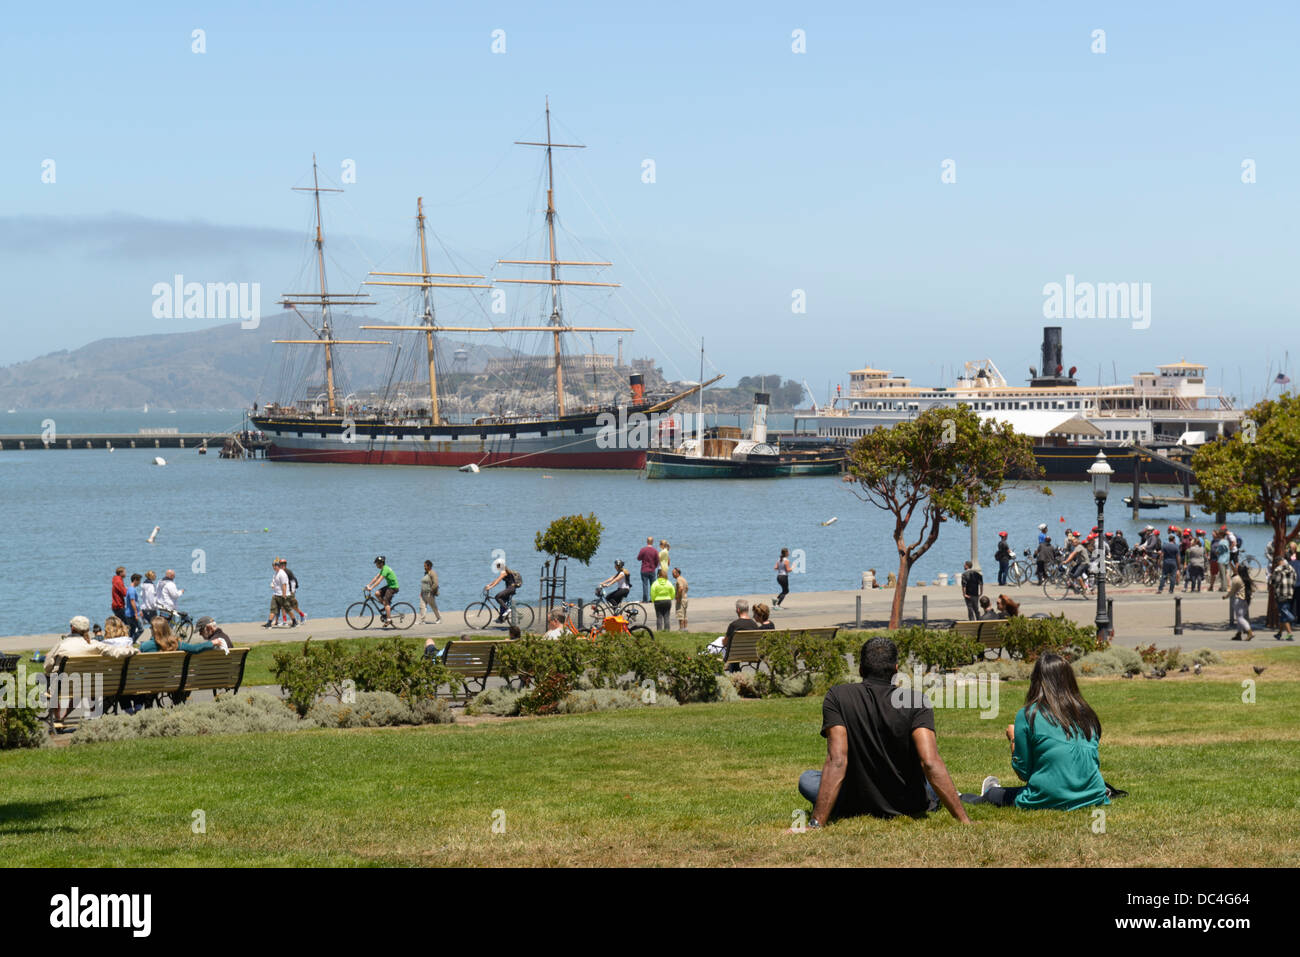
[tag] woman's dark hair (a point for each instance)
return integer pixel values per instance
(1244, 572)
(427, 563)
(785, 552)
(1054, 693)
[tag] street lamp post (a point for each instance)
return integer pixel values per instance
(1100, 472)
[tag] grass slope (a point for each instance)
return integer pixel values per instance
(1213, 781)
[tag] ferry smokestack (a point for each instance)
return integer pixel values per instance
(638, 387)
(761, 401)
(1052, 365)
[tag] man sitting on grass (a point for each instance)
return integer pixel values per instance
(881, 757)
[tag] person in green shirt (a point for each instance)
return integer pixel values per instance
(662, 593)
(1054, 743)
(389, 588)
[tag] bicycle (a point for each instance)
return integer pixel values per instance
(619, 626)
(181, 623)
(479, 614)
(1251, 562)
(1021, 570)
(361, 614)
(1061, 582)
(602, 608)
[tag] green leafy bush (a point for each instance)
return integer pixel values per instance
(244, 713)
(532, 659)
(1030, 637)
(690, 677)
(503, 702)
(791, 657)
(1160, 657)
(547, 695)
(21, 728)
(941, 649)
(390, 666)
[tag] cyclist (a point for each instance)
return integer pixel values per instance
(1076, 562)
(512, 581)
(387, 590)
(620, 581)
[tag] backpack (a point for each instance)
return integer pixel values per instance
(516, 579)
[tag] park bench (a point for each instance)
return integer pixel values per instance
(82, 679)
(743, 649)
(988, 633)
(474, 661)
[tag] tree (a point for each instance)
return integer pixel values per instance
(944, 464)
(573, 536)
(1257, 471)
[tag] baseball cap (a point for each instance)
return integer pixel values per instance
(79, 623)
(204, 622)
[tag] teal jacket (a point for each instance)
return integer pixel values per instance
(1059, 772)
(192, 647)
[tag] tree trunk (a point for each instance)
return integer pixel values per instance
(900, 591)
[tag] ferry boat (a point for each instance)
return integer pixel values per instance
(1170, 409)
(333, 430)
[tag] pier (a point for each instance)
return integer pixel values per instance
(143, 439)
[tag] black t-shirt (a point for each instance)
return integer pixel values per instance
(765, 626)
(741, 624)
(884, 776)
(972, 581)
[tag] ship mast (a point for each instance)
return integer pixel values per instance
(324, 299)
(556, 326)
(428, 326)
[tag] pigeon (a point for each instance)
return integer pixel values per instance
(1126, 675)
(1184, 669)
(1259, 669)
(1196, 668)
(1161, 672)
(1154, 674)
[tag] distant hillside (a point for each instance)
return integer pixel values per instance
(225, 367)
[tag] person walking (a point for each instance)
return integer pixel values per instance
(782, 568)
(167, 595)
(1003, 555)
(118, 600)
(662, 593)
(649, 559)
(1283, 582)
(148, 599)
(429, 595)
(293, 592)
(279, 595)
(681, 589)
(972, 586)
(132, 619)
(1238, 597)
(1221, 551)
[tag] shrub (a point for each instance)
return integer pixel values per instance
(545, 698)
(1160, 657)
(370, 709)
(21, 728)
(937, 649)
(613, 658)
(533, 659)
(573, 536)
(793, 656)
(726, 689)
(1207, 656)
(393, 666)
(691, 677)
(1030, 637)
(244, 713)
(431, 711)
(1008, 670)
(308, 674)
(1099, 664)
(499, 701)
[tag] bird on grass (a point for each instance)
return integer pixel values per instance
(1184, 669)
(1196, 668)
(1259, 669)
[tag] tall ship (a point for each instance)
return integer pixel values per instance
(324, 427)
(1169, 410)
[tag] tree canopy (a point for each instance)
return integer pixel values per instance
(943, 465)
(573, 536)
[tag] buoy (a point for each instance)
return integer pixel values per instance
(830, 521)
(152, 535)
(266, 529)
(468, 468)
(159, 460)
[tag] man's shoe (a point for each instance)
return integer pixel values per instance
(293, 622)
(989, 782)
(266, 624)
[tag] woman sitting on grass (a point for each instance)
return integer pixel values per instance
(1053, 746)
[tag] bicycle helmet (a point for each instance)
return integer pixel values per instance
(381, 560)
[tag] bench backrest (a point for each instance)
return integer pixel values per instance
(985, 631)
(214, 670)
(474, 658)
(160, 671)
(744, 644)
(78, 675)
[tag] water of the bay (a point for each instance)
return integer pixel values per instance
(73, 516)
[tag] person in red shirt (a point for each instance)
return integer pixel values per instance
(119, 593)
(649, 559)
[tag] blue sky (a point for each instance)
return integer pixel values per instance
(774, 171)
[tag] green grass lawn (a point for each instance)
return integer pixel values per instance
(1212, 781)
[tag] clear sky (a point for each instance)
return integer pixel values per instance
(774, 171)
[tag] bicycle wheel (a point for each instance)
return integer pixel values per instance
(478, 615)
(401, 614)
(1056, 587)
(522, 615)
(184, 630)
(1251, 562)
(639, 631)
(633, 611)
(359, 615)
(593, 613)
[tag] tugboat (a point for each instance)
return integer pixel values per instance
(723, 452)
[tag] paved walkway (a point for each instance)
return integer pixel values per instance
(1141, 616)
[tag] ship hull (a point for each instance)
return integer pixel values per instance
(672, 465)
(577, 442)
